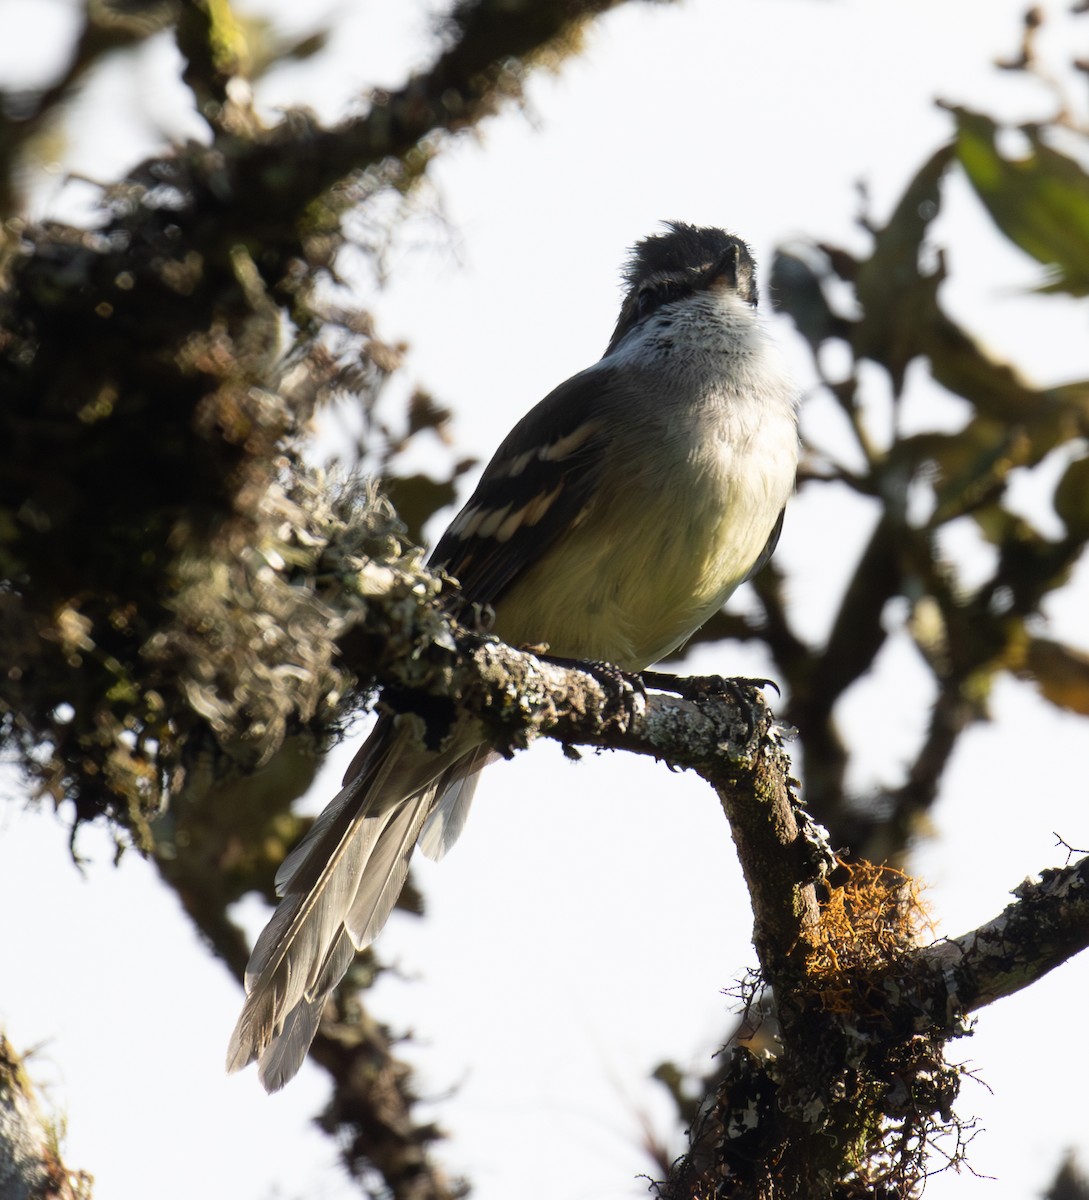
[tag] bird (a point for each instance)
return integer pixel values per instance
(614, 519)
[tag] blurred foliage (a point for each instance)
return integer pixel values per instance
(885, 307)
(159, 372)
(1070, 1183)
(176, 584)
(1040, 201)
(965, 635)
(31, 1139)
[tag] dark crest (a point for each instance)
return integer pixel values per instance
(686, 259)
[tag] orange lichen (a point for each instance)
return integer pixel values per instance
(866, 926)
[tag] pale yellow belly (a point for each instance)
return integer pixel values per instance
(631, 591)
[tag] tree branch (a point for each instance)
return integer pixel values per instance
(853, 1085)
(1047, 924)
(258, 186)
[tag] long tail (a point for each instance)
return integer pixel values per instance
(339, 886)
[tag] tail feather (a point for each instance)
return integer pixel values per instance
(387, 869)
(329, 817)
(291, 952)
(338, 886)
(302, 868)
(287, 1050)
(447, 819)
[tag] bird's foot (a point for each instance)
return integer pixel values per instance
(614, 679)
(701, 687)
(741, 690)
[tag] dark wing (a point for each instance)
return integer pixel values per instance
(539, 484)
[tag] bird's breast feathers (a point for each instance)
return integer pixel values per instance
(640, 578)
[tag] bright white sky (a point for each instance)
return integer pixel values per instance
(587, 924)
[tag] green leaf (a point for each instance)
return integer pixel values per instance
(897, 298)
(417, 497)
(1040, 202)
(1072, 499)
(797, 289)
(1061, 673)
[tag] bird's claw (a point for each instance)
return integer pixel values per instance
(741, 690)
(612, 677)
